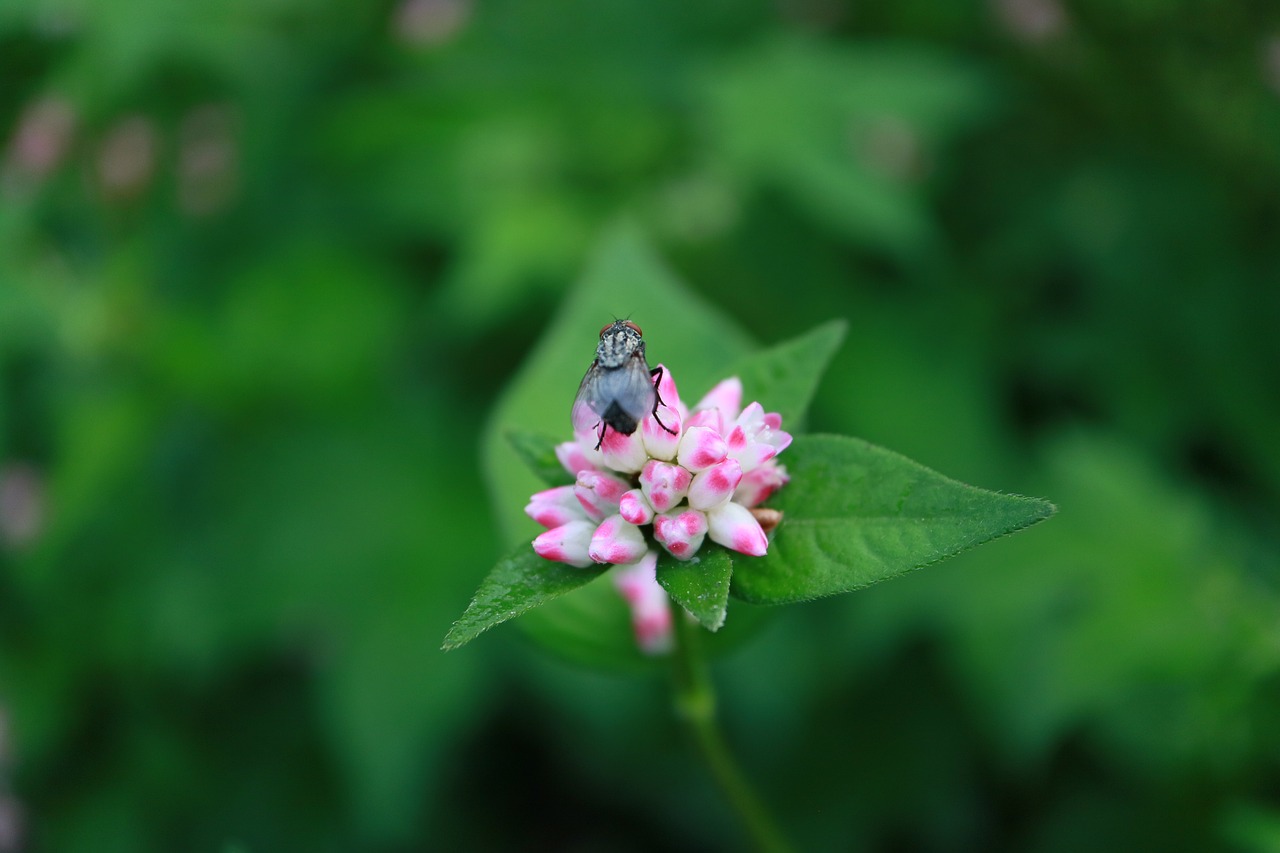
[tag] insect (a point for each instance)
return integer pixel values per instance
(619, 389)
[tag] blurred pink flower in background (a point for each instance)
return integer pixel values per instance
(126, 160)
(428, 23)
(22, 509)
(41, 138)
(208, 176)
(1032, 20)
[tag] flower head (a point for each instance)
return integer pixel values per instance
(679, 479)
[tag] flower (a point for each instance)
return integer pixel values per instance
(671, 488)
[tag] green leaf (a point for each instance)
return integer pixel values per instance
(855, 514)
(784, 377)
(700, 585)
(774, 120)
(538, 452)
(521, 581)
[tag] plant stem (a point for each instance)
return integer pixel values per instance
(695, 702)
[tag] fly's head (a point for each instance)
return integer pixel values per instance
(619, 341)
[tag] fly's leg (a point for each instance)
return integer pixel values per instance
(603, 427)
(656, 373)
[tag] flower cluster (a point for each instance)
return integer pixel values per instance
(690, 475)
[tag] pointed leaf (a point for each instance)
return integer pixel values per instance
(855, 514)
(538, 453)
(784, 377)
(700, 585)
(521, 581)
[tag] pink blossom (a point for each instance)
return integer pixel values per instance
(659, 442)
(664, 484)
(650, 606)
(599, 493)
(691, 475)
(617, 542)
(725, 399)
(554, 507)
(756, 437)
(759, 483)
(734, 527)
(635, 508)
(714, 486)
(567, 543)
(700, 448)
(575, 457)
(681, 532)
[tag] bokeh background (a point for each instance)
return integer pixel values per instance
(266, 266)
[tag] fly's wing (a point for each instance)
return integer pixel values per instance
(587, 406)
(628, 387)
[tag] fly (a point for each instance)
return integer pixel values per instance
(619, 389)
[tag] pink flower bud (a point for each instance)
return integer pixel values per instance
(669, 395)
(635, 508)
(567, 543)
(574, 457)
(623, 452)
(758, 484)
(755, 438)
(681, 533)
(615, 541)
(725, 397)
(649, 603)
(700, 448)
(554, 507)
(599, 493)
(715, 485)
(664, 484)
(734, 527)
(709, 418)
(659, 443)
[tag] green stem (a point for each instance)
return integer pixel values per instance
(695, 702)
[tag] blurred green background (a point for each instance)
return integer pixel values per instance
(266, 267)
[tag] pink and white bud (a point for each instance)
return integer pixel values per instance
(669, 395)
(700, 448)
(759, 483)
(756, 437)
(734, 527)
(554, 507)
(681, 532)
(709, 418)
(599, 493)
(635, 508)
(568, 543)
(574, 457)
(616, 542)
(714, 486)
(650, 605)
(659, 443)
(726, 397)
(624, 453)
(664, 484)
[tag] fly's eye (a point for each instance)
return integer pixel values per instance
(605, 329)
(633, 327)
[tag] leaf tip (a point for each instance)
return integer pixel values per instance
(453, 641)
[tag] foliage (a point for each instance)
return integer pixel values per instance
(277, 278)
